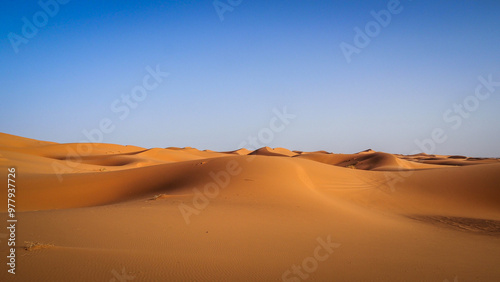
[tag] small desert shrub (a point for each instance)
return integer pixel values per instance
(159, 196)
(31, 246)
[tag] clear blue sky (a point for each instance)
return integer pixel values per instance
(225, 77)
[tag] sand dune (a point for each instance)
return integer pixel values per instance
(101, 211)
(368, 161)
(266, 151)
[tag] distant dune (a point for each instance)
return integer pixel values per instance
(97, 212)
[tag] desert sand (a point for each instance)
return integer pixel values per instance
(104, 212)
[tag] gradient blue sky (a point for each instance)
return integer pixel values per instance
(227, 76)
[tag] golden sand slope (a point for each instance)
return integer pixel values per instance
(97, 212)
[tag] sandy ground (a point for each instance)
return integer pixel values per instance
(103, 212)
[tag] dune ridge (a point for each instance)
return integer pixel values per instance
(185, 214)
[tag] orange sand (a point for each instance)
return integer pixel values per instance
(100, 212)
